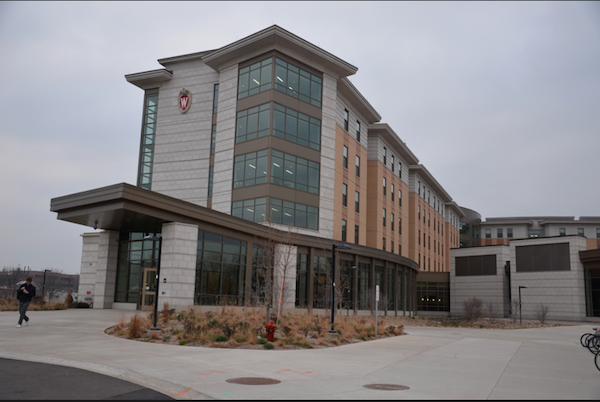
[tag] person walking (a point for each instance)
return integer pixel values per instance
(25, 293)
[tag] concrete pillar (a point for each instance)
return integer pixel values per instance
(178, 265)
(106, 269)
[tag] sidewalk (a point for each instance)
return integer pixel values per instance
(434, 363)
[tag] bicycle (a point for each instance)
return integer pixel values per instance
(591, 341)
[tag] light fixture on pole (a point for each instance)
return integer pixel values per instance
(348, 290)
(154, 239)
(44, 285)
(333, 248)
(520, 316)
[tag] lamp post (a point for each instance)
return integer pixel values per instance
(520, 316)
(348, 291)
(44, 285)
(333, 248)
(159, 239)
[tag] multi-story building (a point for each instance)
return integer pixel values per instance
(258, 139)
(555, 258)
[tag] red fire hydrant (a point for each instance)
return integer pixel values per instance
(270, 327)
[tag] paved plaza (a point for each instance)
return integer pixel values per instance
(433, 363)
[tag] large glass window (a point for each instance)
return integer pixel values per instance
(433, 296)
(296, 127)
(297, 82)
(220, 270)
(135, 254)
(364, 275)
(321, 287)
(295, 172)
(294, 214)
(254, 210)
(255, 78)
(262, 275)
(147, 150)
(301, 282)
(250, 169)
(253, 123)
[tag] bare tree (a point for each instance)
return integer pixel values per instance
(274, 270)
(492, 310)
(51, 286)
(514, 310)
(10, 277)
(541, 312)
(473, 308)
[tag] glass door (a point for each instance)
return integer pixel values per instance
(148, 288)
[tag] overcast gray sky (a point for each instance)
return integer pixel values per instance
(499, 100)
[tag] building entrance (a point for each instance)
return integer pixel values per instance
(149, 280)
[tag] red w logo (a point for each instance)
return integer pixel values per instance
(183, 102)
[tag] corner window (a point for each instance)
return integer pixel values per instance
(253, 123)
(255, 78)
(296, 127)
(298, 83)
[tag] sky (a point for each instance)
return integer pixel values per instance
(500, 101)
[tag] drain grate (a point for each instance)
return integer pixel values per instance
(253, 381)
(387, 387)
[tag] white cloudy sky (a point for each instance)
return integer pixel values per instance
(499, 100)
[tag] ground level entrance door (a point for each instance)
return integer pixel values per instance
(148, 288)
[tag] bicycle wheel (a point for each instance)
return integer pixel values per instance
(583, 339)
(597, 361)
(593, 344)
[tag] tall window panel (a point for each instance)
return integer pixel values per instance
(296, 127)
(344, 224)
(345, 159)
(250, 169)
(148, 138)
(357, 130)
(215, 98)
(294, 214)
(254, 210)
(213, 139)
(253, 123)
(297, 82)
(211, 170)
(295, 172)
(255, 78)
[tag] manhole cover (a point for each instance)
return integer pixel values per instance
(387, 387)
(253, 381)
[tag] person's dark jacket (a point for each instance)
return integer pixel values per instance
(24, 297)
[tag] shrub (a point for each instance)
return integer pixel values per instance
(268, 345)
(473, 308)
(137, 324)
(221, 338)
(80, 305)
(541, 312)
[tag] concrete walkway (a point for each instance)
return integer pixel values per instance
(434, 363)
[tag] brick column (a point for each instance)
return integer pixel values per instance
(106, 269)
(178, 265)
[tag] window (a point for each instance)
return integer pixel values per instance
(344, 194)
(392, 247)
(384, 221)
(298, 83)
(147, 151)
(488, 233)
(345, 157)
(392, 192)
(419, 213)
(500, 233)
(400, 170)
(250, 169)
(296, 127)
(213, 139)
(562, 232)
(384, 186)
(294, 214)
(343, 230)
(428, 219)
(346, 117)
(476, 265)
(384, 155)
(399, 198)
(384, 244)
(254, 210)
(509, 233)
(215, 98)
(355, 234)
(295, 172)
(210, 180)
(356, 202)
(357, 166)
(357, 130)
(419, 238)
(392, 163)
(255, 78)
(399, 227)
(543, 257)
(392, 221)
(580, 232)
(253, 123)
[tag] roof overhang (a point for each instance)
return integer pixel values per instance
(433, 184)
(149, 79)
(277, 38)
(349, 91)
(124, 207)
(385, 131)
